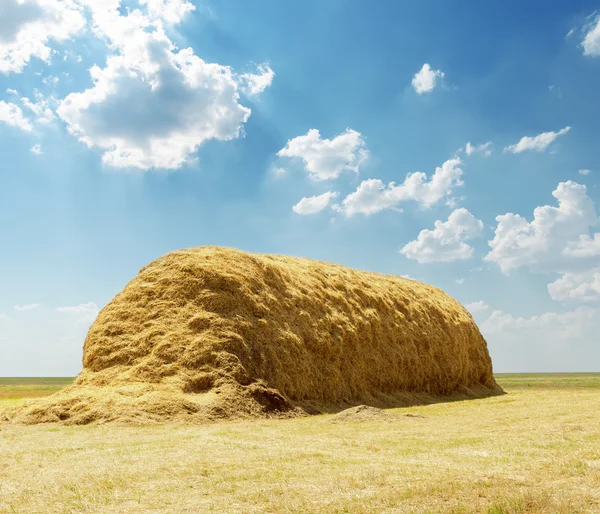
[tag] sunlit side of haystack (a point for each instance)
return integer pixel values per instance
(209, 333)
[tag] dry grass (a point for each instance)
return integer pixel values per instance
(535, 450)
(212, 333)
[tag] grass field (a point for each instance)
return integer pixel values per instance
(536, 449)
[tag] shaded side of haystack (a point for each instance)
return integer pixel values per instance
(212, 332)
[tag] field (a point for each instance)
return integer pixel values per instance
(536, 449)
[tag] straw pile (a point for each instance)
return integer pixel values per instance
(210, 333)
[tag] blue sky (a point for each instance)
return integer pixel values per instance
(334, 130)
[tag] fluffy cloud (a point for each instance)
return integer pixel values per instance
(12, 115)
(556, 240)
(477, 307)
(36, 149)
(152, 106)
(171, 11)
(537, 143)
(584, 286)
(314, 204)
(255, 83)
(426, 79)
(326, 159)
(445, 243)
(484, 148)
(373, 195)
(591, 42)
(26, 27)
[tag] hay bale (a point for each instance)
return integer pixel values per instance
(209, 333)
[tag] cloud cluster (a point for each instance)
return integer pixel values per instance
(557, 239)
(12, 115)
(326, 159)
(152, 105)
(374, 196)
(26, 27)
(446, 242)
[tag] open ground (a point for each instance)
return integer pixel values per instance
(536, 449)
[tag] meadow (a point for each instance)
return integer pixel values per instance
(536, 449)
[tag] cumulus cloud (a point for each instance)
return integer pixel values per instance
(314, 204)
(12, 115)
(591, 41)
(426, 79)
(255, 83)
(484, 148)
(555, 240)
(170, 11)
(477, 307)
(36, 149)
(374, 196)
(27, 26)
(584, 286)
(446, 242)
(585, 172)
(326, 159)
(537, 143)
(152, 105)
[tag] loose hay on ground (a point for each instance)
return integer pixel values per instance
(210, 333)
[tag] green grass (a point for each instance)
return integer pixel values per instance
(534, 450)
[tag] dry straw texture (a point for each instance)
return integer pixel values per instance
(209, 333)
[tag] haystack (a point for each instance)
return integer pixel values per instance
(209, 333)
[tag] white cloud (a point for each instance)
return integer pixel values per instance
(373, 195)
(12, 115)
(83, 313)
(327, 158)
(36, 149)
(28, 307)
(10, 91)
(547, 342)
(585, 246)
(41, 109)
(171, 11)
(537, 143)
(591, 42)
(584, 286)
(314, 204)
(256, 83)
(460, 281)
(566, 326)
(26, 27)
(426, 79)
(585, 172)
(151, 106)
(555, 241)
(477, 307)
(484, 148)
(445, 243)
